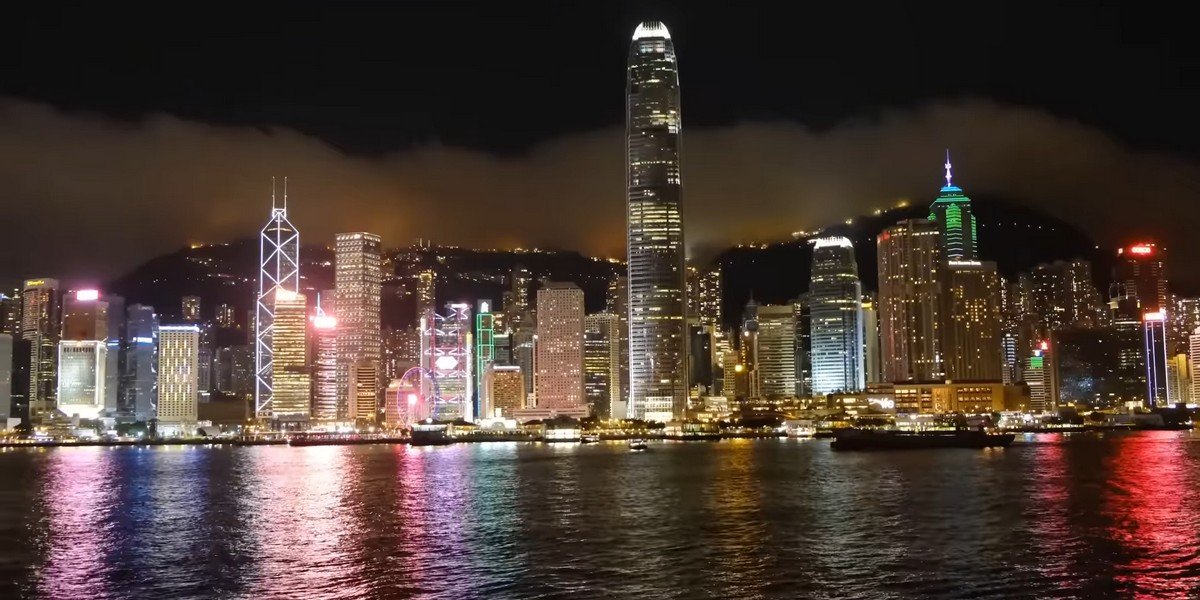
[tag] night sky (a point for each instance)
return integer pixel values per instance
(128, 133)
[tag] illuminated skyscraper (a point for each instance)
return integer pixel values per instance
(139, 381)
(910, 266)
(359, 281)
(6, 379)
(1194, 363)
(711, 297)
(41, 316)
(85, 316)
(289, 362)
(804, 381)
(956, 222)
(191, 309)
(504, 391)
(426, 292)
(559, 350)
(704, 295)
(485, 349)
(1155, 357)
(657, 344)
(401, 350)
(1063, 295)
(324, 368)
(521, 280)
(1039, 376)
(178, 371)
(446, 352)
(226, 316)
(602, 361)
(1098, 366)
(524, 339)
(872, 360)
(81, 378)
(10, 315)
(1179, 384)
(279, 269)
(1141, 270)
(970, 326)
(775, 353)
(617, 303)
(835, 318)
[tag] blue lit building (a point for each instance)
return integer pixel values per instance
(139, 377)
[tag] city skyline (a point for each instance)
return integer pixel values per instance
(944, 316)
(395, 300)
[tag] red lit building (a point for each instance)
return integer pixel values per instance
(1139, 281)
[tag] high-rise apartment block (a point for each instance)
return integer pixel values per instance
(41, 316)
(970, 329)
(359, 280)
(602, 361)
(558, 384)
(910, 267)
(178, 379)
(190, 306)
(775, 352)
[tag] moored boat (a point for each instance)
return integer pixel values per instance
(430, 435)
(895, 439)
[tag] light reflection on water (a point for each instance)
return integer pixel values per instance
(1082, 516)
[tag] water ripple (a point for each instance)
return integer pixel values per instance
(1050, 517)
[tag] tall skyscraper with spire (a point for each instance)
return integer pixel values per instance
(952, 212)
(657, 280)
(279, 269)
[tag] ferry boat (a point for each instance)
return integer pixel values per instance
(430, 434)
(800, 428)
(897, 439)
(638, 445)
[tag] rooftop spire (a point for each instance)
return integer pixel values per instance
(948, 167)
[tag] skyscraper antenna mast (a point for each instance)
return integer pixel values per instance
(948, 167)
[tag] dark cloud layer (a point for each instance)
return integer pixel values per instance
(86, 197)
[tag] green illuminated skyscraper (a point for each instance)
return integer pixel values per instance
(952, 212)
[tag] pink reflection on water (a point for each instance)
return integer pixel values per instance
(1154, 516)
(305, 536)
(1050, 509)
(76, 503)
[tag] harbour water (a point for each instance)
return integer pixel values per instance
(1052, 516)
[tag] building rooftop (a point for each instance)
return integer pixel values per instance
(651, 29)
